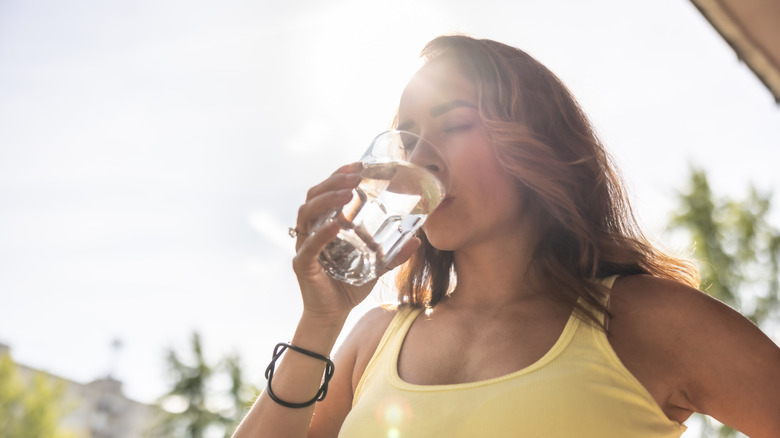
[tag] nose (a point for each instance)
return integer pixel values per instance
(423, 153)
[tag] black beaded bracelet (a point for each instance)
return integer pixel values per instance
(269, 374)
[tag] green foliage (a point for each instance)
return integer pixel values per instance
(736, 245)
(28, 409)
(738, 251)
(209, 408)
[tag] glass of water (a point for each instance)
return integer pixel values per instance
(404, 178)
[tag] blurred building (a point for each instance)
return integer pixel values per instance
(752, 29)
(98, 409)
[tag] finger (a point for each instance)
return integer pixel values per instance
(305, 261)
(345, 177)
(349, 168)
(310, 212)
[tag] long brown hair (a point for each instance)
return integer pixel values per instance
(542, 137)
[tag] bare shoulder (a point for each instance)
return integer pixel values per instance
(350, 362)
(660, 297)
(679, 314)
(675, 315)
(362, 341)
(695, 353)
(672, 308)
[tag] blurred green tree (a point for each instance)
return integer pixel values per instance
(205, 399)
(242, 394)
(29, 408)
(738, 253)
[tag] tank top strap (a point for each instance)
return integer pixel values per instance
(395, 334)
(389, 345)
(607, 282)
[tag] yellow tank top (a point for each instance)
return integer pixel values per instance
(579, 388)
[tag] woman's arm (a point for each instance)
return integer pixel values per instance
(698, 354)
(297, 379)
(351, 361)
(326, 305)
(732, 369)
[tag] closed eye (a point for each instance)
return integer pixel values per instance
(457, 128)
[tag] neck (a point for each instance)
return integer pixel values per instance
(494, 274)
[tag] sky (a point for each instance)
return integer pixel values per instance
(153, 154)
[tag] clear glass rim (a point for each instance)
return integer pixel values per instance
(371, 156)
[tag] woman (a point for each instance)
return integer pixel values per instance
(548, 314)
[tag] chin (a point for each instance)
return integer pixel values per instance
(442, 241)
(439, 232)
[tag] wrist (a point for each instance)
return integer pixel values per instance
(323, 390)
(326, 321)
(318, 333)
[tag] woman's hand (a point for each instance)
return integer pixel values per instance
(323, 297)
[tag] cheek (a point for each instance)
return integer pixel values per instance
(488, 177)
(496, 190)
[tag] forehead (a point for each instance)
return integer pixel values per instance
(437, 82)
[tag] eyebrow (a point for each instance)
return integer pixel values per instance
(439, 110)
(449, 106)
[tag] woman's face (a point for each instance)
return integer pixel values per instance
(483, 202)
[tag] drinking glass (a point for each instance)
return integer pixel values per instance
(404, 178)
